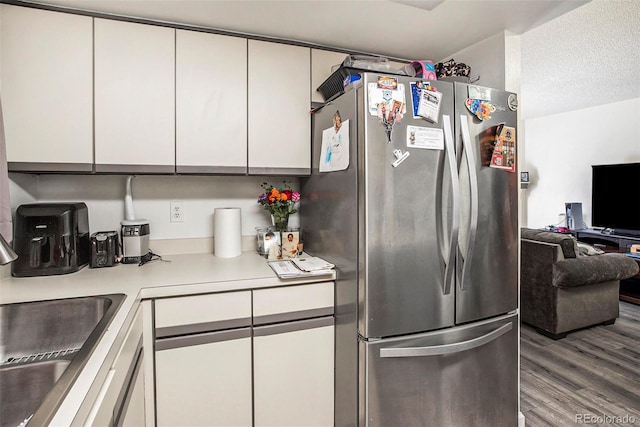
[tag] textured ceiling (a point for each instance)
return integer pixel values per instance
(589, 56)
(400, 30)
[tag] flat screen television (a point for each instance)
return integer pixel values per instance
(615, 198)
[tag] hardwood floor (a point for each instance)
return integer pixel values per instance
(591, 373)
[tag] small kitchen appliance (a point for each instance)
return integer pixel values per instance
(135, 232)
(50, 239)
(105, 248)
(135, 241)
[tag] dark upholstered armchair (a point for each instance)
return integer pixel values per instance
(561, 290)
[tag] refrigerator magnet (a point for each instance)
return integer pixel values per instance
(416, 91)
(377, 95)
(504, 152)
(429, 106)
(479, 92)
(389, 114)
(481, 109)
(425, 138)
(400, 157)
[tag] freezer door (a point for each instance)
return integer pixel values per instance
(487, 261)
(405, 233)
(464, 376)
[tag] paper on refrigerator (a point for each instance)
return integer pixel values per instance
(334, 152)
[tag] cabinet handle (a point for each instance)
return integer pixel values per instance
(200, 339)
(299, 325)
(197, 328)
(125, 394)
(291, 316)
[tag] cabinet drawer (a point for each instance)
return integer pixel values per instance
(292, 302)
(200, 313)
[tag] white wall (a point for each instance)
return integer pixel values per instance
(561, 148)
(486, 59)
(104, 196)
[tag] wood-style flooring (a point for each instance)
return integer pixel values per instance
(591, 373)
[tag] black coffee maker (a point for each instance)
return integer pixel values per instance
(50, 238)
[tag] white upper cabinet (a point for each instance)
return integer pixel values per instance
(279, 131)
(211, 103)
(321, 63)
(134, 97)
(46, 85)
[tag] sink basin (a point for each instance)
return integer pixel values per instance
(43, 347)
(24, 387)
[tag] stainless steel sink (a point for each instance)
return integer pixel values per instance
(43, 347)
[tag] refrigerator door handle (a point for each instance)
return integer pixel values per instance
(473, 181)
(438, 350)
(450, 265)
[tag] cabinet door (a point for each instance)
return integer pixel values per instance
(211, 103)
(321, 63)
(119, 387)
(293, 373)
(133, 408)
(204, 379)
(134, 97)
(47, 90)
(279, 101)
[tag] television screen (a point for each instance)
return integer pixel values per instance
(615, 197)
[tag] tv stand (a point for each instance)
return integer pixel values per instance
(607, 241)
(611, 242)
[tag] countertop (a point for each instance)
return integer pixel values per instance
(176, 275)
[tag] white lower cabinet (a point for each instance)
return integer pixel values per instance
(246, 358)
(204, 380)
(293, 373)
(121, 400)
(133, 410)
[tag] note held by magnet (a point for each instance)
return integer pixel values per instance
(334, 153)
(424, 137)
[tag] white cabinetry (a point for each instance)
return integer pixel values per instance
(47, 89)
(211, 103)
(203, 360)
(213, 367)
(279, 131)
(121, 401)
(134, 97)
(293, 358)
(321, 63)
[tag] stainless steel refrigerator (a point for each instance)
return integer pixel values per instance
(426, 249)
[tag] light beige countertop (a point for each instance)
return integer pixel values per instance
(177, 275)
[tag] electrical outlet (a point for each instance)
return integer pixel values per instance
(177, 211)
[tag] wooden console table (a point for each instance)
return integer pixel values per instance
(629, 288)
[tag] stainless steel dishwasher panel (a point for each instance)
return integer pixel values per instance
(463, 376)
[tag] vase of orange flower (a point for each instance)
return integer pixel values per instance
(280, 203)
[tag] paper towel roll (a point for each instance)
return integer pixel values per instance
(228, 232)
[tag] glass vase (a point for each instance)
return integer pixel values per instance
(280, 222)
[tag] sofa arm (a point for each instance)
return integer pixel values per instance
(583, 271)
